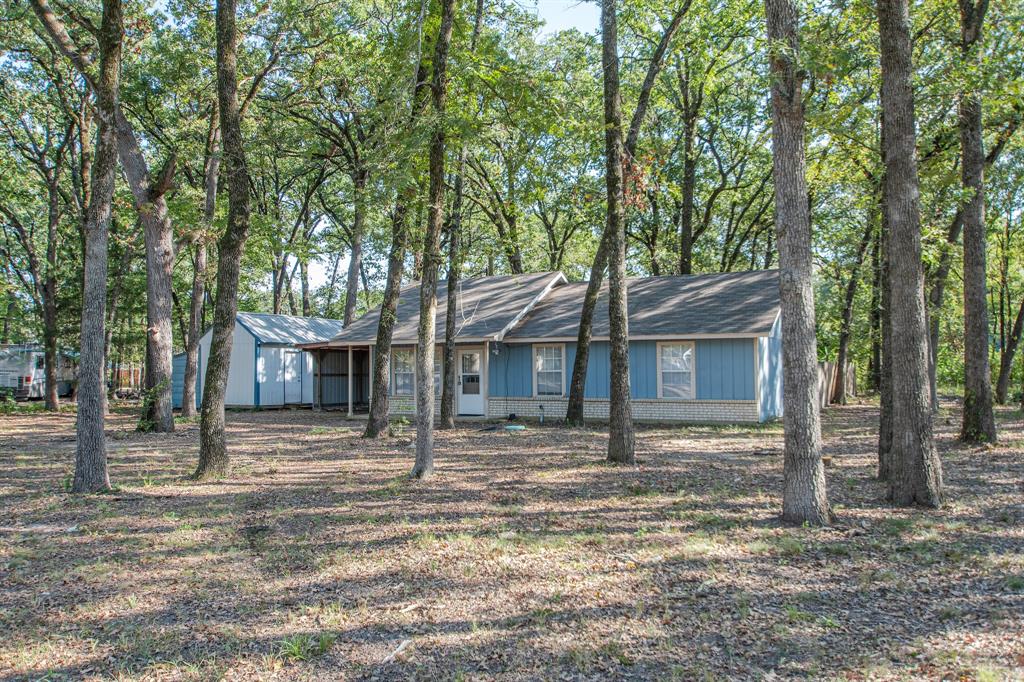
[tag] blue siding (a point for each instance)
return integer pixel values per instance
(178, 378)
(725, 369)
(643, 369)
(598, 369)
(511, 371)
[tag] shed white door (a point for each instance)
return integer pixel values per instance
(292, 377)
(470, 382)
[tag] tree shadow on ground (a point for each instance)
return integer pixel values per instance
(525, 558)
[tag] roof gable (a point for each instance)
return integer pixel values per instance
(487, 308)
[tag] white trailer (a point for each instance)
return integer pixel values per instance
(23, 371)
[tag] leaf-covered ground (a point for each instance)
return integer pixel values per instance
(525, 557)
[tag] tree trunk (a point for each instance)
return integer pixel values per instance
(885, 366)
(158, 415)
(875, 315)
(424, 465)
(979, 425)
(916, 476)
(356, 257)
(845, 326)
(377, 420)
(804, 498)
(307, 302)
(1006, 360)
(211, 173)
(620, 419)
(50, 349)
(574, 409)
(91, 448)
(12, 306)
(152, 207)
(577, 386)
(448, 407)
(49, 291)
(213, 453)
(689, 183)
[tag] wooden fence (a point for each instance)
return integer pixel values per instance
(828, 376)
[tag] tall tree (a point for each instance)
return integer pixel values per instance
(885, 393)
(149, 193)
(621, 440)
(213, 452)
(426, 332)
(979, 423)
(211, 174)
(846, 322)
(916, 472)
(377, 420)
(91, 448)
(574, 409)
(43, 142)
(804, 498)
(448, 406)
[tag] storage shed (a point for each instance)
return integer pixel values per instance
(268, 369)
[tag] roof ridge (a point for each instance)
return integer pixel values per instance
(293, 317)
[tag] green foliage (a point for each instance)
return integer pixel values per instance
(328, 91)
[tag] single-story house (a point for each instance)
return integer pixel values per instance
(268, 366)
(703, 348)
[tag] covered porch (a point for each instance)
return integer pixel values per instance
(341, 378)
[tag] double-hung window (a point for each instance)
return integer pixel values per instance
(549, 370)
(403, 369)
(675, 364)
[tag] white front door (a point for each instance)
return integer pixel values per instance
(292, 377)
(470, 382)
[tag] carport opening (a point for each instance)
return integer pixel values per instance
(333, 379)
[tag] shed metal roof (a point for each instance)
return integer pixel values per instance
(487, 307)
(734, 303)
(287, 329)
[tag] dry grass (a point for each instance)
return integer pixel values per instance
(525, 557)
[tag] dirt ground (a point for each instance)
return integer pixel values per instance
(525, 557)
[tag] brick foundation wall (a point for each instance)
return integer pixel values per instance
(696, 411)
(405, 405)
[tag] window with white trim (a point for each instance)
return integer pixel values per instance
(549, 370)
(675, 363)
(403, 371)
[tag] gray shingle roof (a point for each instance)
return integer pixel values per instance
(486, 306)
(729, 303)
(286, 329)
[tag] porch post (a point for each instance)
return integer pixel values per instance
(317, 381)
(349, 377)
